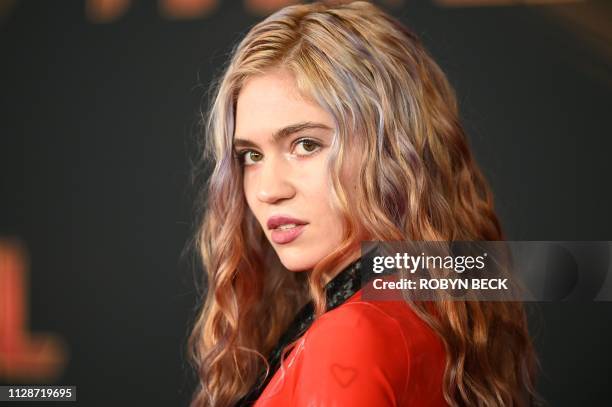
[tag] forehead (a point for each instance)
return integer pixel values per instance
(272, 101)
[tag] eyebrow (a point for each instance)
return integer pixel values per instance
(282, 133)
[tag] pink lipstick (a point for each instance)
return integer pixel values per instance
(285, 228)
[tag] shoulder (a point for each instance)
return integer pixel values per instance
(369, 353)
(355, 355)
(375, 325)
(363, 326)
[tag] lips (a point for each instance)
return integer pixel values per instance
(277, 221)
(285, 229)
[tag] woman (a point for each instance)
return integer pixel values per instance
(330, 126)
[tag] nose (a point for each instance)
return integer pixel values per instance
(274, 183)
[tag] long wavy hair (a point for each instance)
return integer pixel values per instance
(418, 181)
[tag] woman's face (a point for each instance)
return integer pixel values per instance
(283, 142)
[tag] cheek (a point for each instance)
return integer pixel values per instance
(314, 183)
(249, 194)
(318, 192)
(351, 175)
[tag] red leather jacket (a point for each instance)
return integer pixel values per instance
(363, 353)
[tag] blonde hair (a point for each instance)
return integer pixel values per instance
(418, 182)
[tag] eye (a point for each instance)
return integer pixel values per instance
(248, 157)
(306, 147)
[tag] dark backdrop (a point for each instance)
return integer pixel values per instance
(95, 133)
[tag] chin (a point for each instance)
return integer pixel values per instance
(296, 260)
(296, 265)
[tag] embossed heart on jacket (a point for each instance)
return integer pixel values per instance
(344, 375)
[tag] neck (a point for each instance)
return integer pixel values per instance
(356, 254)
